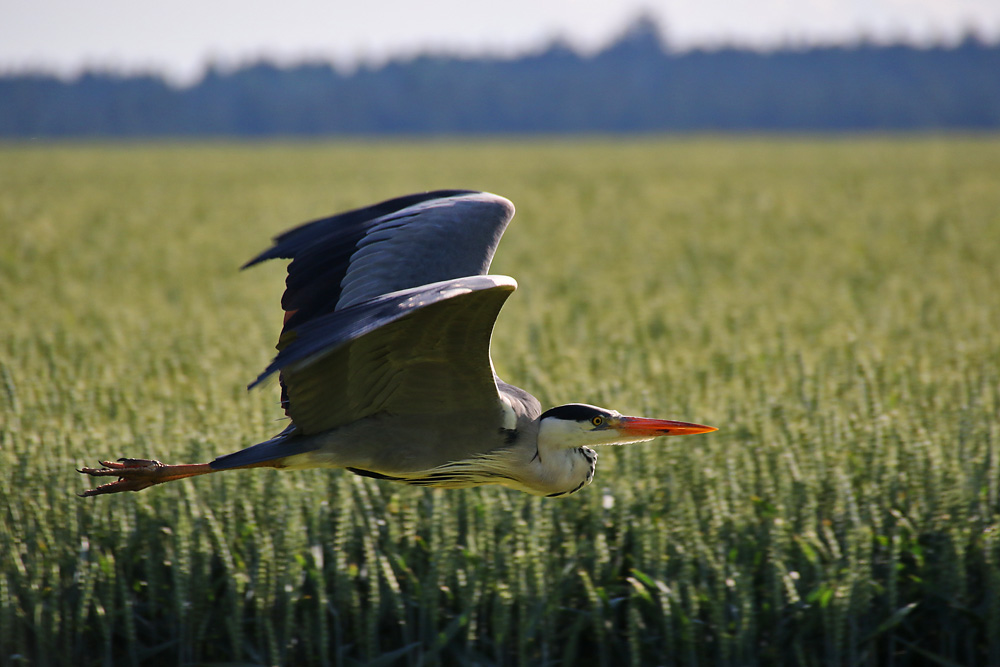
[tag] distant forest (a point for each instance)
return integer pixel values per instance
(633, 85)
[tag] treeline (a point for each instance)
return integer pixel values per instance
(634, 85)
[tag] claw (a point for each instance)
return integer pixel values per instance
(138, 474)
(133, 475)
(113, 467)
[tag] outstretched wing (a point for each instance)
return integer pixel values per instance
(350, 258)
(420, 351)
(401, 243)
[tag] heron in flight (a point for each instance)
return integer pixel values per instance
(384, 362)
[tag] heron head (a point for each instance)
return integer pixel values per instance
(579, 424)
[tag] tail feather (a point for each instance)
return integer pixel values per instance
(280, 446)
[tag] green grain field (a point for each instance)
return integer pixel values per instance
(832, 305)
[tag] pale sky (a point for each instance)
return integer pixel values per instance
(177, 37)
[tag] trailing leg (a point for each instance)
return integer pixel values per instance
(139, 474)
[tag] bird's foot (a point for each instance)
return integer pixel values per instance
(138, 474)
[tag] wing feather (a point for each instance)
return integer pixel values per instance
(435, 240)
(400, 243)
(346, 279)
(418, 351)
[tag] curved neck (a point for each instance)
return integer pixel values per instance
(563, 467)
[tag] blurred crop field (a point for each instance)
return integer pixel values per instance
(832, 305)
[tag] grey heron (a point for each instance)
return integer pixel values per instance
(384, 362)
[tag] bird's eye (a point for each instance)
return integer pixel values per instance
(597, 421)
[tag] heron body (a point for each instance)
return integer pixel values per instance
(384, 361)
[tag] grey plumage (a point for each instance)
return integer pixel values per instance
(392, 347)
(384, 361)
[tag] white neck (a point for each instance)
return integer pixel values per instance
(563, 464)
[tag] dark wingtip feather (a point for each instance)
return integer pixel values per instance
(262, 257)
(265, 374)
(287, 244)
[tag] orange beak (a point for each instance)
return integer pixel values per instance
(640, 426)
